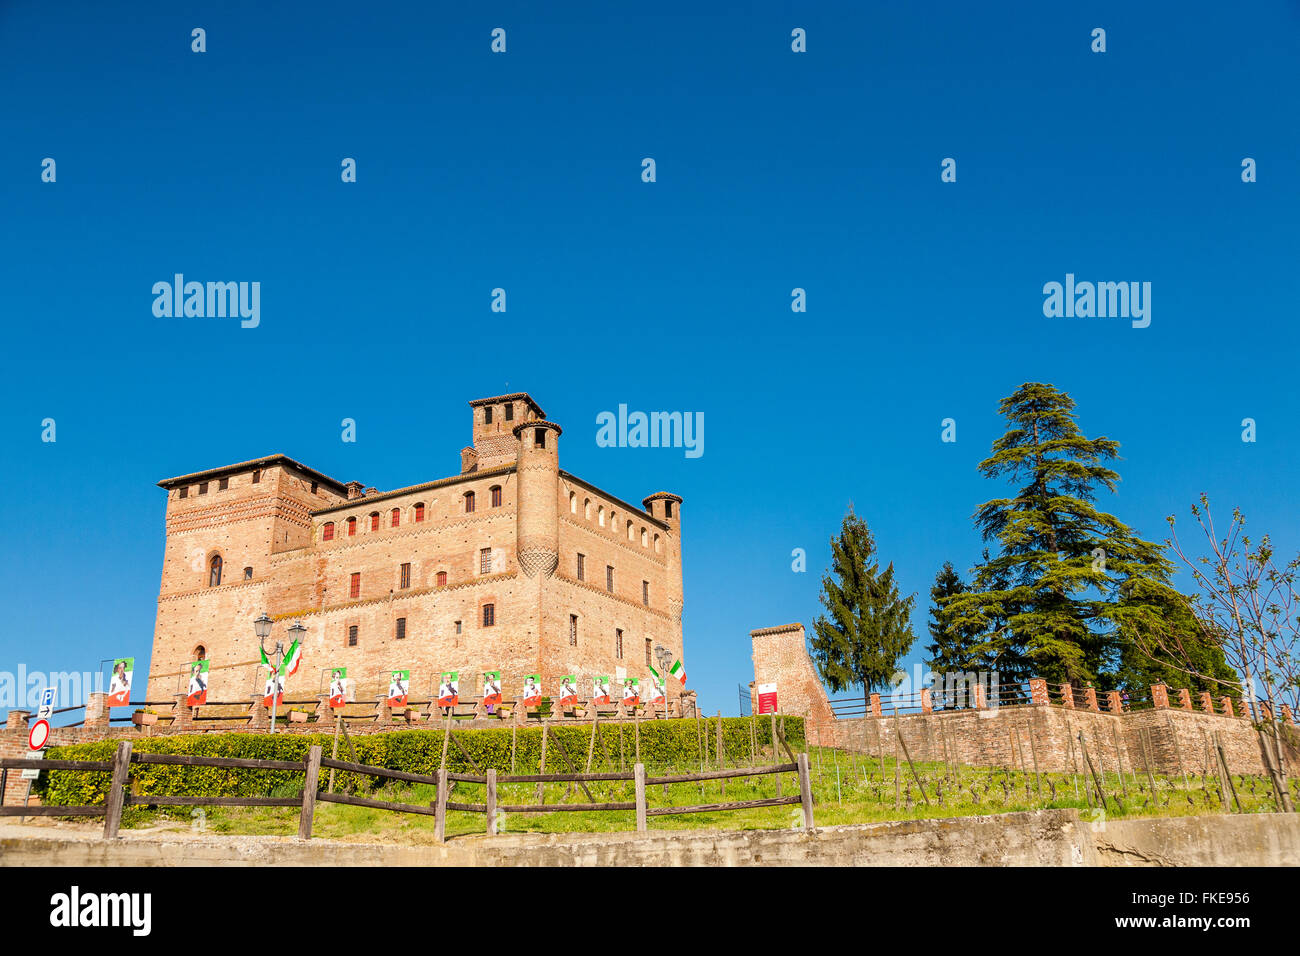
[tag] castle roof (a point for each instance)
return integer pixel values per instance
(269, 460)
(512, 397)
(396, 492)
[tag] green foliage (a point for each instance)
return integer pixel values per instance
(1069, 585)
(868, 630)
(664, 743)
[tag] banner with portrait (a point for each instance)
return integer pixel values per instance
(532, 690)
(449, 689)
(119, 684)
(196, 693)
(399, 685)
(568, 690)
(491, 689)
(338, 687)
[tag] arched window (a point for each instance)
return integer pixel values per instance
(629, 531)
(374, 521)
(644, 538)
(248, 574)
(469, 502)
(442, 579)
(613, 520)
(489, 615)
(573, 503)
(600, 516)
(419, 511)
(656, 544)
(214, 571)
(200, 653)
(496, 496)
(327, 532)
(352, 527)
(586, 508)
(396, 517)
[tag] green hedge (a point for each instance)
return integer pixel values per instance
(664, 744)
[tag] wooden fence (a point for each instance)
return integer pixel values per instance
(119, 795)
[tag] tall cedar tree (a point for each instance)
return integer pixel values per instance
(867, 628)
(960, 648)
(1067, 581)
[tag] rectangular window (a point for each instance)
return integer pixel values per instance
(539, 438)
(469, 502)
(442, 579)
(374, 521)
(257, 477)
(609, 578)
(328, 532)
(352, 636)
(510, 411)
(314, 486)
(496, 497)
(647, 650)
(223, 484)
(668, 509)
(485, 561)
(401, 628)
(487, 415)
(352, 527)
(618, 643)
(354, 589)
(203, 487)
(419, 512)
(645, 593)
(405, 576)
(489, 615)
(185, 492)
(573, 630)
(582, 567)
(397, 517)
(458, 627)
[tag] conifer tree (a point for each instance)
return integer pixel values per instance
(1061, 586)
(866, 630)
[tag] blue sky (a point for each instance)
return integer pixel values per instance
(522, 170)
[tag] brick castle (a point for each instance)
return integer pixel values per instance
(513, 565)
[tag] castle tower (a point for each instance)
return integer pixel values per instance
(667, 507)
(537, 514)
(495, 419)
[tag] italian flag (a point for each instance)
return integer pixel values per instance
(678, 671)
(292, 658)
(655, 672)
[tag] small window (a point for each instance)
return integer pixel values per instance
(600, 516)
(629, 531)
(458, 627)
(314, 486)
(203, 487)
(257, 477)
(442, 579)
(214, 571)
(647, 650)
(586, 508)
(374, 521)
(644, 538)
(487, 415)
(489, 615)
(200, 653)
(510, 411)
(223, 484)
(645, 593)
(469, 502)
(609, 578)
(354, 589)
(656, 544)
(184, 492)
(496, 496)
(668, 509)
(352, 527)
(618, 643)
(573, 503)
(582, 567)
(248, 574)
(485, 561)
(405, 576)
(539, 437)
(352, 636)
(573, 630)
(396, 518)
(401, 628)
(327, 532)
(419, 511)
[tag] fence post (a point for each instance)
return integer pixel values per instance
(639, 773)
(491, 802)
(805, 792)
(440, 808)
(117, 790)
(309, 787)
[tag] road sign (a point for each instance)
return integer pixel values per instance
(34, 772)
(39, 735)
(47, 703)
(767, 698)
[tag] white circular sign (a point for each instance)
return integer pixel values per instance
(39, 735)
